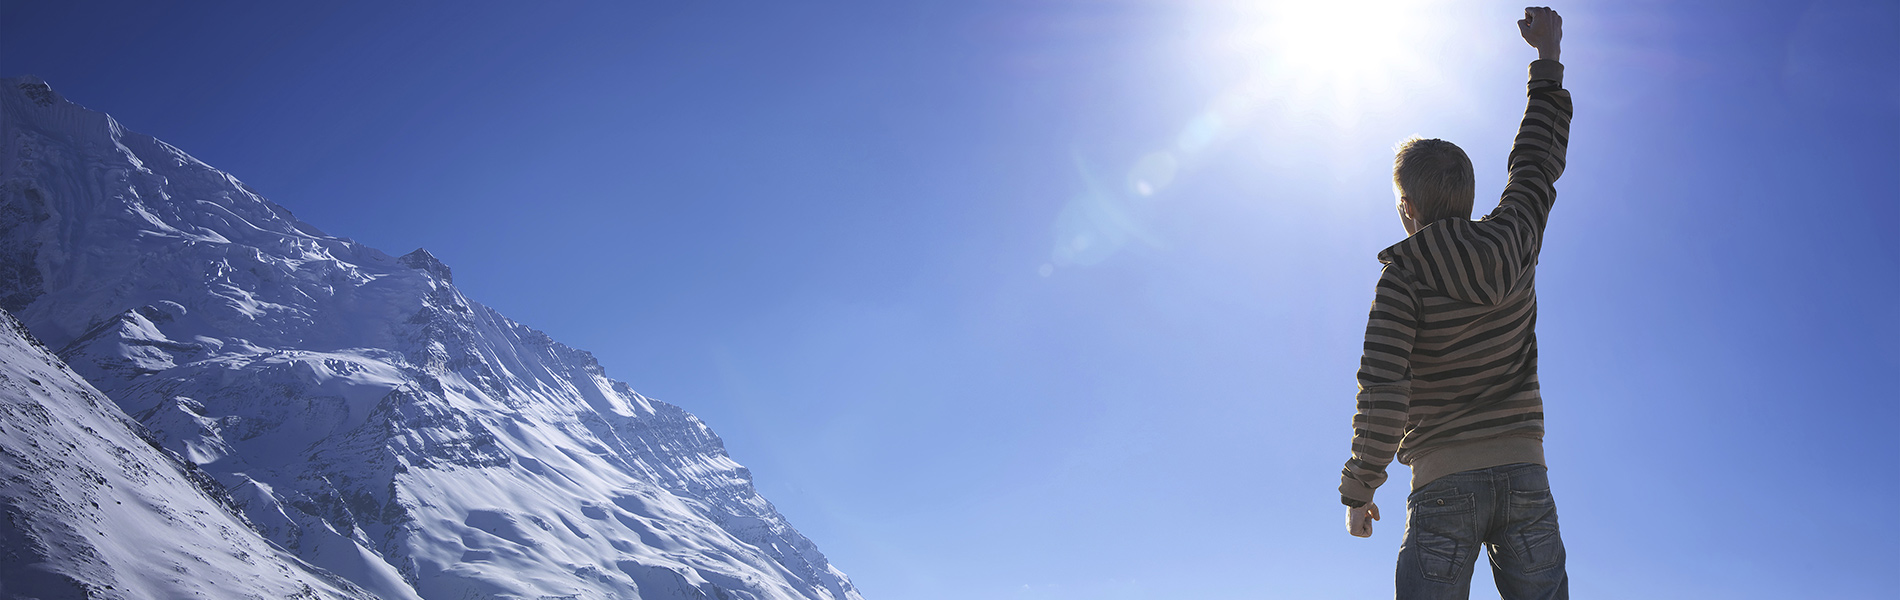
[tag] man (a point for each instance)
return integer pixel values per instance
(1449, 377)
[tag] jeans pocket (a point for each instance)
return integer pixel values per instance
(1533, 530)
(1444, 534)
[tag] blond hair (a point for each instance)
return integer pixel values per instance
(1435, 177)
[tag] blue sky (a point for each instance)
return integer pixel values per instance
(1061, 299)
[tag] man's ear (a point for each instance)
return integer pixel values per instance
(1405, 206)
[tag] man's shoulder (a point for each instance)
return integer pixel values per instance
(1395, 277)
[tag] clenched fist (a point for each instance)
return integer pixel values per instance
(1543, 29)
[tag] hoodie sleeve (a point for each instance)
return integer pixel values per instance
(1385, 387)
(1537, 158)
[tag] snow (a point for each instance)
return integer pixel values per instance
(364, 414)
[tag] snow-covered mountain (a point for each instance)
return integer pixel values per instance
(359, 410)
(92, 510)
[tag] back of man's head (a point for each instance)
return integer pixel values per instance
(1435, 177)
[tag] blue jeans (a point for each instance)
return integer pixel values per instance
(1508, 510)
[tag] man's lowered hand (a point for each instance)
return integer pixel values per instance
(1359, 520)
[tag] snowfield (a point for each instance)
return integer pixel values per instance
(354, 407)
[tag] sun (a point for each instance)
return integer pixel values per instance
(1335, 58)
(1346, 40)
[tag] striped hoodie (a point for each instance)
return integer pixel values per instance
(1449, 376)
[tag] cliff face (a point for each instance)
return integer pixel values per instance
(360, 410)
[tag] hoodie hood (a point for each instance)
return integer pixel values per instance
(1471, 261)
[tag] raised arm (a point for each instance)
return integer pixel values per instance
(1537, 156)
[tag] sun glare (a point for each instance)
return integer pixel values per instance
(1296, 64)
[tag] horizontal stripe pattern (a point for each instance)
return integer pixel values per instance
(1451, 344)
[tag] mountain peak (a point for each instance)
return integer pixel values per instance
(383, 428)
(422, 260)
(35, 89)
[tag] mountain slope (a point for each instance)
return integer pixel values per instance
(94, 511)
(361, 411)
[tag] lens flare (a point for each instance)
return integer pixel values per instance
(1151, 173)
